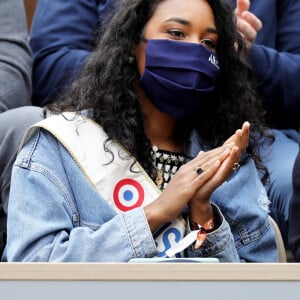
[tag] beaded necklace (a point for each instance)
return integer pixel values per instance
(166, 163)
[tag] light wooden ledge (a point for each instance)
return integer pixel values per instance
(152, 272)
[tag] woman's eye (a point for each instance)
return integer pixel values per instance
(209, 44)
(176, 33)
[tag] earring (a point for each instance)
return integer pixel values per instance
(131, 60)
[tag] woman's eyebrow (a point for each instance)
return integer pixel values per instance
(188, 23)
(178, 20)
(212, 30)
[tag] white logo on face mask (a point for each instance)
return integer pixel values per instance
(213, 60)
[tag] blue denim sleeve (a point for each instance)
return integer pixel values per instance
(58, 218)
(218, 244)
(244, 204)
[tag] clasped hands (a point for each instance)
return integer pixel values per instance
(192, 187)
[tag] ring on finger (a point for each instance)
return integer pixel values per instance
(199, 170)
(236, 165)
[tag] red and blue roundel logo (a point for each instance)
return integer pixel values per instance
(128, 194)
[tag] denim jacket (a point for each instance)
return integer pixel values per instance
(55, 214)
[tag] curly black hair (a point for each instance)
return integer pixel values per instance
(107, 86)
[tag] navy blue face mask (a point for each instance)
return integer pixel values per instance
(179, 77)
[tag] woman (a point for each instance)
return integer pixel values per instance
(125, 176)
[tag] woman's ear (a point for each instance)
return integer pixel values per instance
(131, 59)
(134, 49)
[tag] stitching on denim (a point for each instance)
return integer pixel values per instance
(247, 238)
(128, 235)
(26, 160)
(52, 178)
(93, 226)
